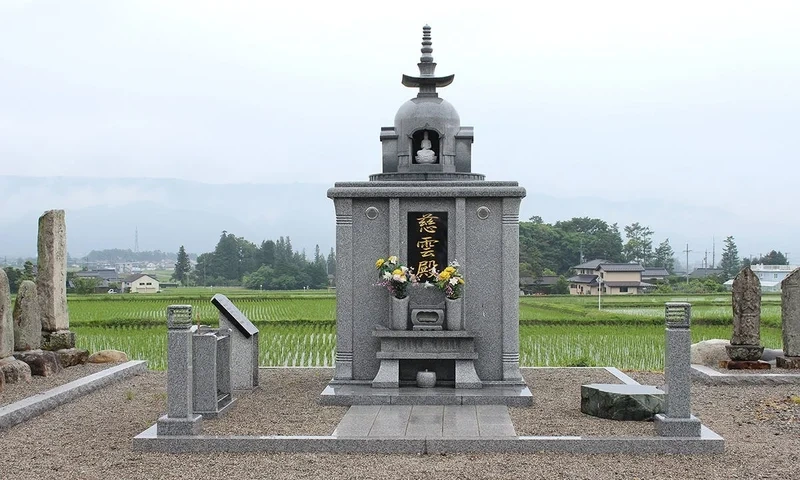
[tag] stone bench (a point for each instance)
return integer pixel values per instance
(622, 402)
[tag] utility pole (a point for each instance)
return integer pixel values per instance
(713, 252)
(687, 262)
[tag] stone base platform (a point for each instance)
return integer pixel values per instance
(787, 362)
(350, 394)
(744, 365)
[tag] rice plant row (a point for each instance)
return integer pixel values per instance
(314, 344)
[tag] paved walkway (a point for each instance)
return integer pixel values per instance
(426, 421)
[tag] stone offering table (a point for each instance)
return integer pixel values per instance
(397, 345)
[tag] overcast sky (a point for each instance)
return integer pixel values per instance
(690, 101)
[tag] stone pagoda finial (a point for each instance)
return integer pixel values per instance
(427, 81)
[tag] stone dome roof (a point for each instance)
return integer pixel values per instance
(427, 112)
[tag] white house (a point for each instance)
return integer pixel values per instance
(141, 283)
(770, 276)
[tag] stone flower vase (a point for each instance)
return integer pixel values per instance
(426, 379)
(453, 320)
(399, 313)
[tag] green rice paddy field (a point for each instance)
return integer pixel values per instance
(298, 328)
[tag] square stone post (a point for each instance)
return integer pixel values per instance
(510, 279)
(180, 419)
(345, 291)
(678, 420)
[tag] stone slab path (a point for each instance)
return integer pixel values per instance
(426, 421)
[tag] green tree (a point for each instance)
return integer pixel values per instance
(639, 244)
(182, 267)
(27, 271)
(260, 279)
(331, 261)
(664, 256)
(773, 258)
(562, 286)
(730, 263)
(14, 278)
(86, 285)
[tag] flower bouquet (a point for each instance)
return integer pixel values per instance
(394, 276)
(450, 281)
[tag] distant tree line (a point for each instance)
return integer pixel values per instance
(118, 255)
(556, 248)
(272, 265)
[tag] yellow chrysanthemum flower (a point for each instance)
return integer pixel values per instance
(397, 272)
(450, 269)
(379, 263)
(444, 275)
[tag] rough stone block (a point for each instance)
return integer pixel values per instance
(58, 340)
(108, 356)
(621, 402)
(745, 353)
(51, 278)
(14, 370)
(42, 363)
(6, 319)
(787, 362)
(27, 321)
(69, 357)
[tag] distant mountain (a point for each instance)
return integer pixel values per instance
(106, 213)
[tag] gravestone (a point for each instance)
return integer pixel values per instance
(11, 369)
(429, 208)
(745, 349)
(27, 321)
(790, 321)
(677, 420)
(244, 343)
(51, 281)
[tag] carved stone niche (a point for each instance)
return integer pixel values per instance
(427, 309)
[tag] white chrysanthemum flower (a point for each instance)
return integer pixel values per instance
(393, 259)
(387, 275)
(453, 281)
(399, 278)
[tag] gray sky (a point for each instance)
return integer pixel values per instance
(691, 101)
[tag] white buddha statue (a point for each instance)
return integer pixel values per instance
(426, 155)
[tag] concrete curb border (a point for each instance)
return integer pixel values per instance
(708, 442)
(709, 376)
(148, 441)
(35, 405)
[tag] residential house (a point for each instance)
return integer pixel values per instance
(543, 284)
(701, 273)
(770, 276)
(107, 277)
(610, 278)
(654, 274)
(141, 283)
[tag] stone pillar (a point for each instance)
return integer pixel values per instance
(790, 321)
(180, 418)
(345, 288)
(11, 369)
(678, 420)
(746, 300)
(510, 279)
(27, 320)
(51, 281)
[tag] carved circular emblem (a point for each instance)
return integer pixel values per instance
(371, 213)
(483, 212)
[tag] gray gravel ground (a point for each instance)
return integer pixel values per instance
(91, 437)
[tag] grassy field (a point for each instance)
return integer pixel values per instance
(298, 327)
